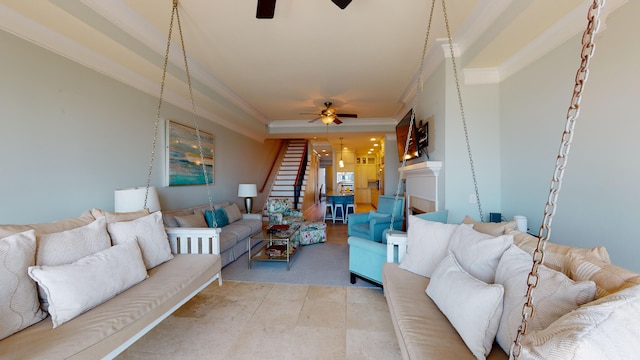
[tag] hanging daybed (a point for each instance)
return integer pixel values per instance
(479, 290)
(107, 278)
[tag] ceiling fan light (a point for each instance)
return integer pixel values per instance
(326, 119)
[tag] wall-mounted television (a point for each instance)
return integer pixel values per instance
(402, 131)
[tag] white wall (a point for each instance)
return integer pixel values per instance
(481, 108)
(447, 141)
(598, 203)
(70, 136)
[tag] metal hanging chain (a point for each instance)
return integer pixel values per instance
(588, 50)
(460, 103)
(157, 122)
(195, 116)
(413, 116)
(176, 13)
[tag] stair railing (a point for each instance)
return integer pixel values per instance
(297, 185)
(273, 165)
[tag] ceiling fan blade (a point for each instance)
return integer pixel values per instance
(342, 3)
(314, 119)
(348, 115)
(266, 9)
(337, 121)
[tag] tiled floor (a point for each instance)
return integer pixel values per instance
(243, 320)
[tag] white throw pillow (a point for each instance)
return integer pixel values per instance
(555, 295)
(77, 287)
(478, 253)
(19, 305)
(427, 245)
(150, 234)
(472, 306)
(607, 328)
(68, 246)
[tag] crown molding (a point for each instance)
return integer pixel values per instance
(476, 76)
(572, 24)
(121, 15)
(31, 31)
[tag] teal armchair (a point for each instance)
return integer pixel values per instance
(371, 225)
(366, 256)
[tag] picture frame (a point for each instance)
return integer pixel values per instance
(423, 136)
(183, 160)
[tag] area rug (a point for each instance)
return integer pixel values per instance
(318, 264)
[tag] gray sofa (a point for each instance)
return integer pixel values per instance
(234, 237)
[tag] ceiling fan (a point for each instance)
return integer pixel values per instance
(266, 8)
(329, 115)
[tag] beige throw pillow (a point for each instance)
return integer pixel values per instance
(556, 255)
(150, 234)
(193, 221)
(608, 278)
(19, 305)
(68, 246)
(77, 287)
(48, 228)
(606, 328)
(233, 213)
(495, 229)
(555, 295)
(478, 253)
(112, 217)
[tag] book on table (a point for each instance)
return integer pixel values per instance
(276, 250)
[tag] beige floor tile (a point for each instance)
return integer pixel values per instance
(372, 345)
(256, 341)
(274, 321)
(288, 292)
(323, 314)
(319, 343)
(368, 317)
(366, 296)
(276, 312)
(238, 289)
(327, 293)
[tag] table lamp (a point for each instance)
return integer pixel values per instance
(132, 199)
(248, 192)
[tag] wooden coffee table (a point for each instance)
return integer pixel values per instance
(275, 238)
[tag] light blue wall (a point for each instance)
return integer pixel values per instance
(69, 136)
(598, 203)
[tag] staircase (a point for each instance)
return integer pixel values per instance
(286, 176)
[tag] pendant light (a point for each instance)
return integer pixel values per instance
(341, 163)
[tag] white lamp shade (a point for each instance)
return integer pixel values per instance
(521, 221)
(132, 199)
(247, 190)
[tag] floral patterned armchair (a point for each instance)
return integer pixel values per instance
(281, 211)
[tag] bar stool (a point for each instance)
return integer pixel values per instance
(338, 206)
(329, 213)
(351, 206)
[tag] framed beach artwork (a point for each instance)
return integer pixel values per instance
(184, 163)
